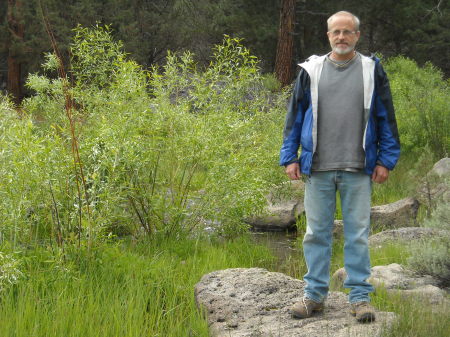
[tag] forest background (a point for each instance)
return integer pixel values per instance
(419, 29)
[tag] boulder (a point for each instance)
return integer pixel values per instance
(435, 185)
(406, 234)
(395, 276)
(284, 205)
(401, 213)
(255, 303)
(398, 280)
(429, 293)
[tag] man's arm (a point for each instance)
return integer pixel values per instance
(294, 120)
(387, 132)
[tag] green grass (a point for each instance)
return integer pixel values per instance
(403, 179)
(146, 289)
(389, 253)
(120, 290)
(415, 317)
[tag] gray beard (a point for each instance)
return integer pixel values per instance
(345, 51)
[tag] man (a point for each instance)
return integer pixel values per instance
(341, 113)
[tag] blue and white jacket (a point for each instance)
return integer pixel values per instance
(380, 142)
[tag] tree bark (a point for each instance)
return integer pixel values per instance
(16, 30)
(285, 46)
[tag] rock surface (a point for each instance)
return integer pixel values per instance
(395, 276)
(396, 279)
(284, 205)
(436, 184)
(406, 234)
(401, 213)
(255, 303)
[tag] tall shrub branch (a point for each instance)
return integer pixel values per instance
(69, 107)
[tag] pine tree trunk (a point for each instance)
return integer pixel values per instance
(285, 46)
(16, 30)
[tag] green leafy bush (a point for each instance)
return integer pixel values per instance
(421, 98)
(163, 151)
(440, 217)
(10, 272)
(431, 257)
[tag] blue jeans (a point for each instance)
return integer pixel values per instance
(320, 205)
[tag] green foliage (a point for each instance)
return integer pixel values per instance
(431, 257)
(440, 217)
(29, 164)
(95, 57)
(271, 82)
(6, 106)
(421, 100)
(10, 273)
(123, 289)
(414, 317)
(199, 149)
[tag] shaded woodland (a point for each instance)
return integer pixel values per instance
(418, 29)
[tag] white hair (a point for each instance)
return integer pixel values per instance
(341, 13)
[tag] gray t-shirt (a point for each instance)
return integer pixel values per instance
(340, 120)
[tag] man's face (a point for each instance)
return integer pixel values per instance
(342, 35)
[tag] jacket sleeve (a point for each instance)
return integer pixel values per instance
(387, 132)
(294, 119)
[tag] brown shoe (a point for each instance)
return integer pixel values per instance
(305, 308)
(363, 312)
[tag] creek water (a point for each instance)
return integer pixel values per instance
(283, 245)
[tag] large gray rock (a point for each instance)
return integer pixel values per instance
(406, 234)
(395, 276)
(401, 213)
(435, 185)
(397, 280)
(284, 205)
(441, 168)
(255, 303)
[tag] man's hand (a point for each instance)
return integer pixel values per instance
(293, 171)
(380, 174)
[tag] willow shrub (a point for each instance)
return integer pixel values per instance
(30, 164)
(421, 98)
(162, 151)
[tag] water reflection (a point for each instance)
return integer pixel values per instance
(283, 245)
